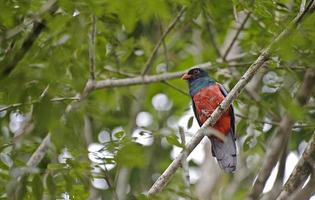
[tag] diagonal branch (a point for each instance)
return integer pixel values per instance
(157, 46)
(210, 32)
(281, 137)
(185, 164)
(240, 28)
(40, 152)
(13, 58)
(49, 5)
(92, 37)
(302, 170)
(167, 174)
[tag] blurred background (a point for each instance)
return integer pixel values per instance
(116, 141)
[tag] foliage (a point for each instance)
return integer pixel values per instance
(57, 65)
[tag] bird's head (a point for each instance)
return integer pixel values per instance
(194, 74)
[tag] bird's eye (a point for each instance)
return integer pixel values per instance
(196, 71)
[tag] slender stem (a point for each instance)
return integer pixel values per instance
(92, 37)
(185, 165)
(158, 44)
(241, 27)
(40, 152)
(301, 171)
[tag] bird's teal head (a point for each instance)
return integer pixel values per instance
(197, 79)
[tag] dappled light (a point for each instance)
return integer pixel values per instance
(138, 99)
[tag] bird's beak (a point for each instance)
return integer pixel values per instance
(186, 76)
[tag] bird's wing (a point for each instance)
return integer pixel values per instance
(224, 92)
(225, 153)
(195, 112)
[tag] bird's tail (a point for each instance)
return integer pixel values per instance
(225, 152)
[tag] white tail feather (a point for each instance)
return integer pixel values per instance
(225, 153)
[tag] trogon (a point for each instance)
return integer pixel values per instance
(206, 95)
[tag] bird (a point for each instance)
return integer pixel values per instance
(206, 95)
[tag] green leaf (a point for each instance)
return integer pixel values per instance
(173, 140)
(37, 187)
(190, 122)
(131, 155)
(247, 143)
(119, 134)
(55, 166)
(51, 185)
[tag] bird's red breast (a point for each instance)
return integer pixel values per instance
(206, 101)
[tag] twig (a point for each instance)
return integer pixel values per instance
(307, 192)
(144, 79)
(18, 29)
(56, 99)
(110, 183)
(123, 174)
(302, 6)
(157, 46)
(167, 174)
(164, 45)
(11, 61)
(92, 37)
(276, 188)
(185, 165)
(240, 28)
(176, 88)
(271, 122)
(128, 74)
(210, 31)
(301, 171)
(281, 137)
(40, 152)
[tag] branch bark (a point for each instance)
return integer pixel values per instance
(18, 29)
(281, 137)
(240, 28)
(167, 174)
(302, 170)
(185, 165)
(144, 79)
(11, 60)
(157, 46)
(40, 152)
(92, 37)
(307, 191)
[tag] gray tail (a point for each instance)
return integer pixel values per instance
(225, 152)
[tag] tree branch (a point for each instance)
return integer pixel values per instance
(307, 191)
(56, 99)
(144, 79)
(40, 152)
(240, 28)
(11, 61)
(302, 170)
(185, 165)
(92, 37)
(210, 32)
(13, 58)
(18, 29)
(281, 137)
(157, 46)
(167, 174)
